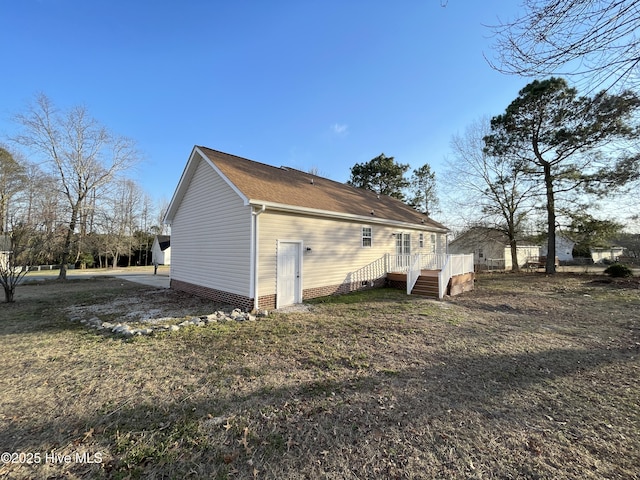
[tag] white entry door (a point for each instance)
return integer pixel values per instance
(289, 272)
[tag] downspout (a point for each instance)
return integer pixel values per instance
(256, 256)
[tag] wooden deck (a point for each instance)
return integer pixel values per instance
(402, 277)
(427, 283)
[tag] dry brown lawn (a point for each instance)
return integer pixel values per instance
(528, 376)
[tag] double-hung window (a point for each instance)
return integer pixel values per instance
(367, 237)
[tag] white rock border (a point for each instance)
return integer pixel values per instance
(127, 330)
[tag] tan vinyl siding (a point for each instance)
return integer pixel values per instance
(212, 214)
(336, 247)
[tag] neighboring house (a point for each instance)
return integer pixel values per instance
(258, 236)
(5, 250)
(606, 254)
(491, 248)
(161, 250)
(564, 248)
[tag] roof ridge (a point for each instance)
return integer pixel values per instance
(241, 158)
(296, 170)
(285, 185)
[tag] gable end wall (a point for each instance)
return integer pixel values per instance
(211, 236)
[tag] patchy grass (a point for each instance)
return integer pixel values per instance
(529, 376)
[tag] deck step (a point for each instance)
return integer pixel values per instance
(426, 286)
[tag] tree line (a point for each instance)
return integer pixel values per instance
(66, 195)
(578, 148)
(552, 151)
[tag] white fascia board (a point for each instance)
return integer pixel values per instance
(179, 191)
(186, 177)
(224, 177)
(281, 207)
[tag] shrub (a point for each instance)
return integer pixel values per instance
(618, 270)
(86, 260)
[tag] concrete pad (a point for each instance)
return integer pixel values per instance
(158, 281)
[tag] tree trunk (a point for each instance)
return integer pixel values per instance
(8, 293)
(550, 265)
(130, 251)
(65, 254)
(515, 267)
(66, 250)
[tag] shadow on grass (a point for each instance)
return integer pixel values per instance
(459, 416)
(371, 295)
(41, 306)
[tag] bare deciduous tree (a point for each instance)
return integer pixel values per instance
(161, 228)
(81, 153)
(14, 259)
(126, 205)
(12, 181)
(593, 39)
(569, 143)
(493, 188)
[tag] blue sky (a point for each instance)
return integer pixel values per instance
(322, 84)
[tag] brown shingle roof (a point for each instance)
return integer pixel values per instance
(164, 241)
(288, 186)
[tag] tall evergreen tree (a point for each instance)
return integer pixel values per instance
(423, 190)
(381, 175)
(566, 142)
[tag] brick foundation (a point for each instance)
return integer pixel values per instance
(237, 301)
(267, 302)
(340, 289)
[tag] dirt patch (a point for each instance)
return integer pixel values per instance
(146, 306)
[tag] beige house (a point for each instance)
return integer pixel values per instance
(5, 251)
(606, 254)
(258, 236)
(492, 250)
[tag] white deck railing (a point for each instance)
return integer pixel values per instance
(455, 265)
(371, 272)
(398, 263)
(427, 261)
(413, 273)
(412, 265)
